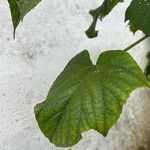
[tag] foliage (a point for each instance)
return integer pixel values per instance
(100, 13)
(19, 8)
(87, 96)
(138, 13)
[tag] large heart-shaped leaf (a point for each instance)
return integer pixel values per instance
(138, 14)
(87, 96)
(19, 8)
(100, 12)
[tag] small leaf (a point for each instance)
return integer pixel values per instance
(87, 96)
(138, 14)
(19, 8)
(100, 13)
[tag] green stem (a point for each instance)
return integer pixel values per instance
(137, 42)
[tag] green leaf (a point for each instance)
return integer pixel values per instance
(19, 8)
(100, 13)
(138, 14)
(87, 96)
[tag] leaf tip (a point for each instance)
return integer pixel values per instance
(91, 33)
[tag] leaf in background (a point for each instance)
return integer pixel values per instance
(100, 13)
(138, 14)
(147, 70)
(87, 96)
(19, 8)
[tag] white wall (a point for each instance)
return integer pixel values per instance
(49, 37)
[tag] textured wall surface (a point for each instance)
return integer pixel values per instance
(49, 37)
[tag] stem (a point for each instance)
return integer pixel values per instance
(136, 43)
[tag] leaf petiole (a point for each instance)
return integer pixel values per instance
(137, 42)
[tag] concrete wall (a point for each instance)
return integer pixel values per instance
(49, 37)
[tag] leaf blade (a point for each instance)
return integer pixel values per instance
(91, 100)
(138, 14)
(100, 12)
(19, 8)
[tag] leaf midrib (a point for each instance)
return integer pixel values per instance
(68, 101)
